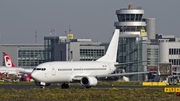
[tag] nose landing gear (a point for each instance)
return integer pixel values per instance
(42, 84)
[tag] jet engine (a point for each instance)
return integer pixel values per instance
(89, 81)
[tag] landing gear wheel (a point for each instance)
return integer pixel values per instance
(170, 81)
(48, 84)
(42, 86)
(65, 86)
(175, 81)
(37, 83)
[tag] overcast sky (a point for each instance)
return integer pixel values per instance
(92, 19)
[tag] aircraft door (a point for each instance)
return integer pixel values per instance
(53, 70)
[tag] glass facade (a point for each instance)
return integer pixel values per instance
(29, 57)
(130, 50)
(49, 43)
(91, 54)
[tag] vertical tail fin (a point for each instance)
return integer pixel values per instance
(111, 52)
(8, 61)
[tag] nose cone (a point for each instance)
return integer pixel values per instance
(34, 75)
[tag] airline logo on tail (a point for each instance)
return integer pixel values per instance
(7, 60)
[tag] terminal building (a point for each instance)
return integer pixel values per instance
(169, 51)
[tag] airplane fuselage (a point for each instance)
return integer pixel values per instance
(65, 71)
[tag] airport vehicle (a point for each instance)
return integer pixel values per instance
(85, 72)
(166, 73)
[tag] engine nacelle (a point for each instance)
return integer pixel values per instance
(89, 81)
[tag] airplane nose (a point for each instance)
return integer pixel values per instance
(34, 75)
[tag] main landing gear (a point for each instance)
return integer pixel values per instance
(65, 86)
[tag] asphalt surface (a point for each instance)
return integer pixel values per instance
(30, 86)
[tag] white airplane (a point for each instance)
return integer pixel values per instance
(10, 67)
(86, 72)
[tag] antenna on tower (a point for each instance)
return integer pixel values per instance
(36, 36)
(69, 28)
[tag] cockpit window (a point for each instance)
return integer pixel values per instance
(39, 69)
(43, 69)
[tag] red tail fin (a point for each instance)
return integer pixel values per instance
(8, 61)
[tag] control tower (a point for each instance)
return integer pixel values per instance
(131, 22)
(132, 34)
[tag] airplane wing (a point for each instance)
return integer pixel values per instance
(121, 74)
(119, 64)
(79, 77)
